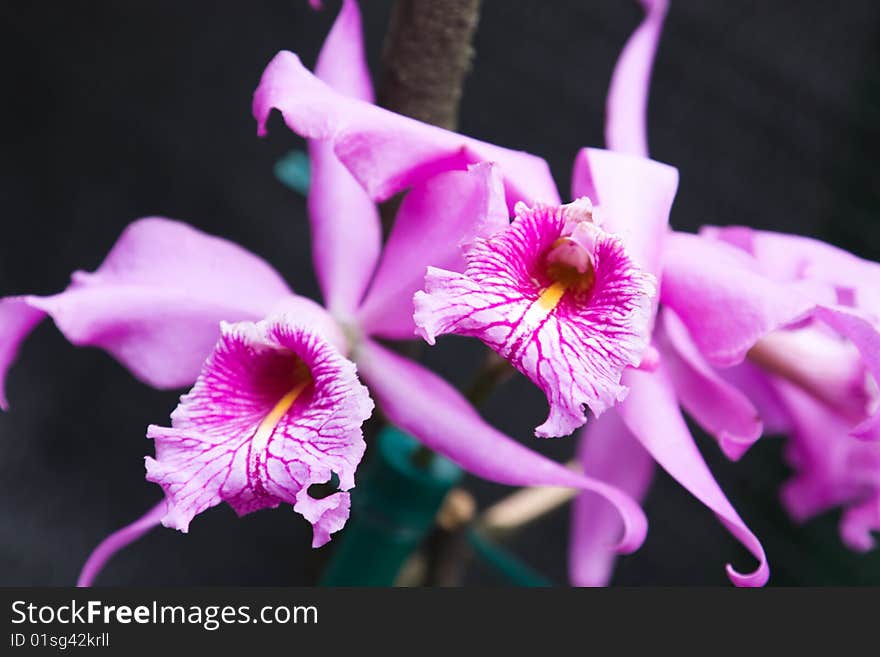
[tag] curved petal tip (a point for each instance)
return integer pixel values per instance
(755, 579)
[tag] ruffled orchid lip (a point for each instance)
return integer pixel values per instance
(556, 295)
(567, 265)
(565, 272)
(300, 386)
(276, 409)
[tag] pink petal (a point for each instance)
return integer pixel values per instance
(328, 515)
(156, 302)
(117, 541)
(422, 404)
(342, 62)
(17, 320)
(719, 407)
(831, 469)
(575, 347)
(858, 522)
(627, 104)
(821, 363)
(435, 219)
(386, 152)
(346, 232)
(761, 392)
(864, 333)
(724, 302)
(608, 452)
(651, 413)
(818, 453)
(808, 278)
(633, 196)
(275, 410)
(786, 257)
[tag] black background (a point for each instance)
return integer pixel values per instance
(111, 111)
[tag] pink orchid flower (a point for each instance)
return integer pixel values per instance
(276, 403)
(509, 303)
(559, 298)
(276, 406)
(832, 468)
(815, 376)
(648, 427)
(804, 316)
(826, 287)
(520, 289)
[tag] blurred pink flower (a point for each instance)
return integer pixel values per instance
(817, 377)
(802, 314)
(832, 468)
(648, 426)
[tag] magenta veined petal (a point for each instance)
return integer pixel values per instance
(559, 298)
(627, 104)
(275, 410)
(652, 415)
(608, 452)
(155, 303)
(719, 407)
(426, 406)
(346, 232)
(633, 196)
(433, 223)
(386, 152)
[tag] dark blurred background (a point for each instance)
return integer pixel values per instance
(111, 111)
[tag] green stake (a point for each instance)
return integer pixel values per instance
(393, 508)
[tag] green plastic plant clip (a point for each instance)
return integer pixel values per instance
(393, 508)
(294, 171)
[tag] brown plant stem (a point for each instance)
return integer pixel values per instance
(427, 54)
(494, 371)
